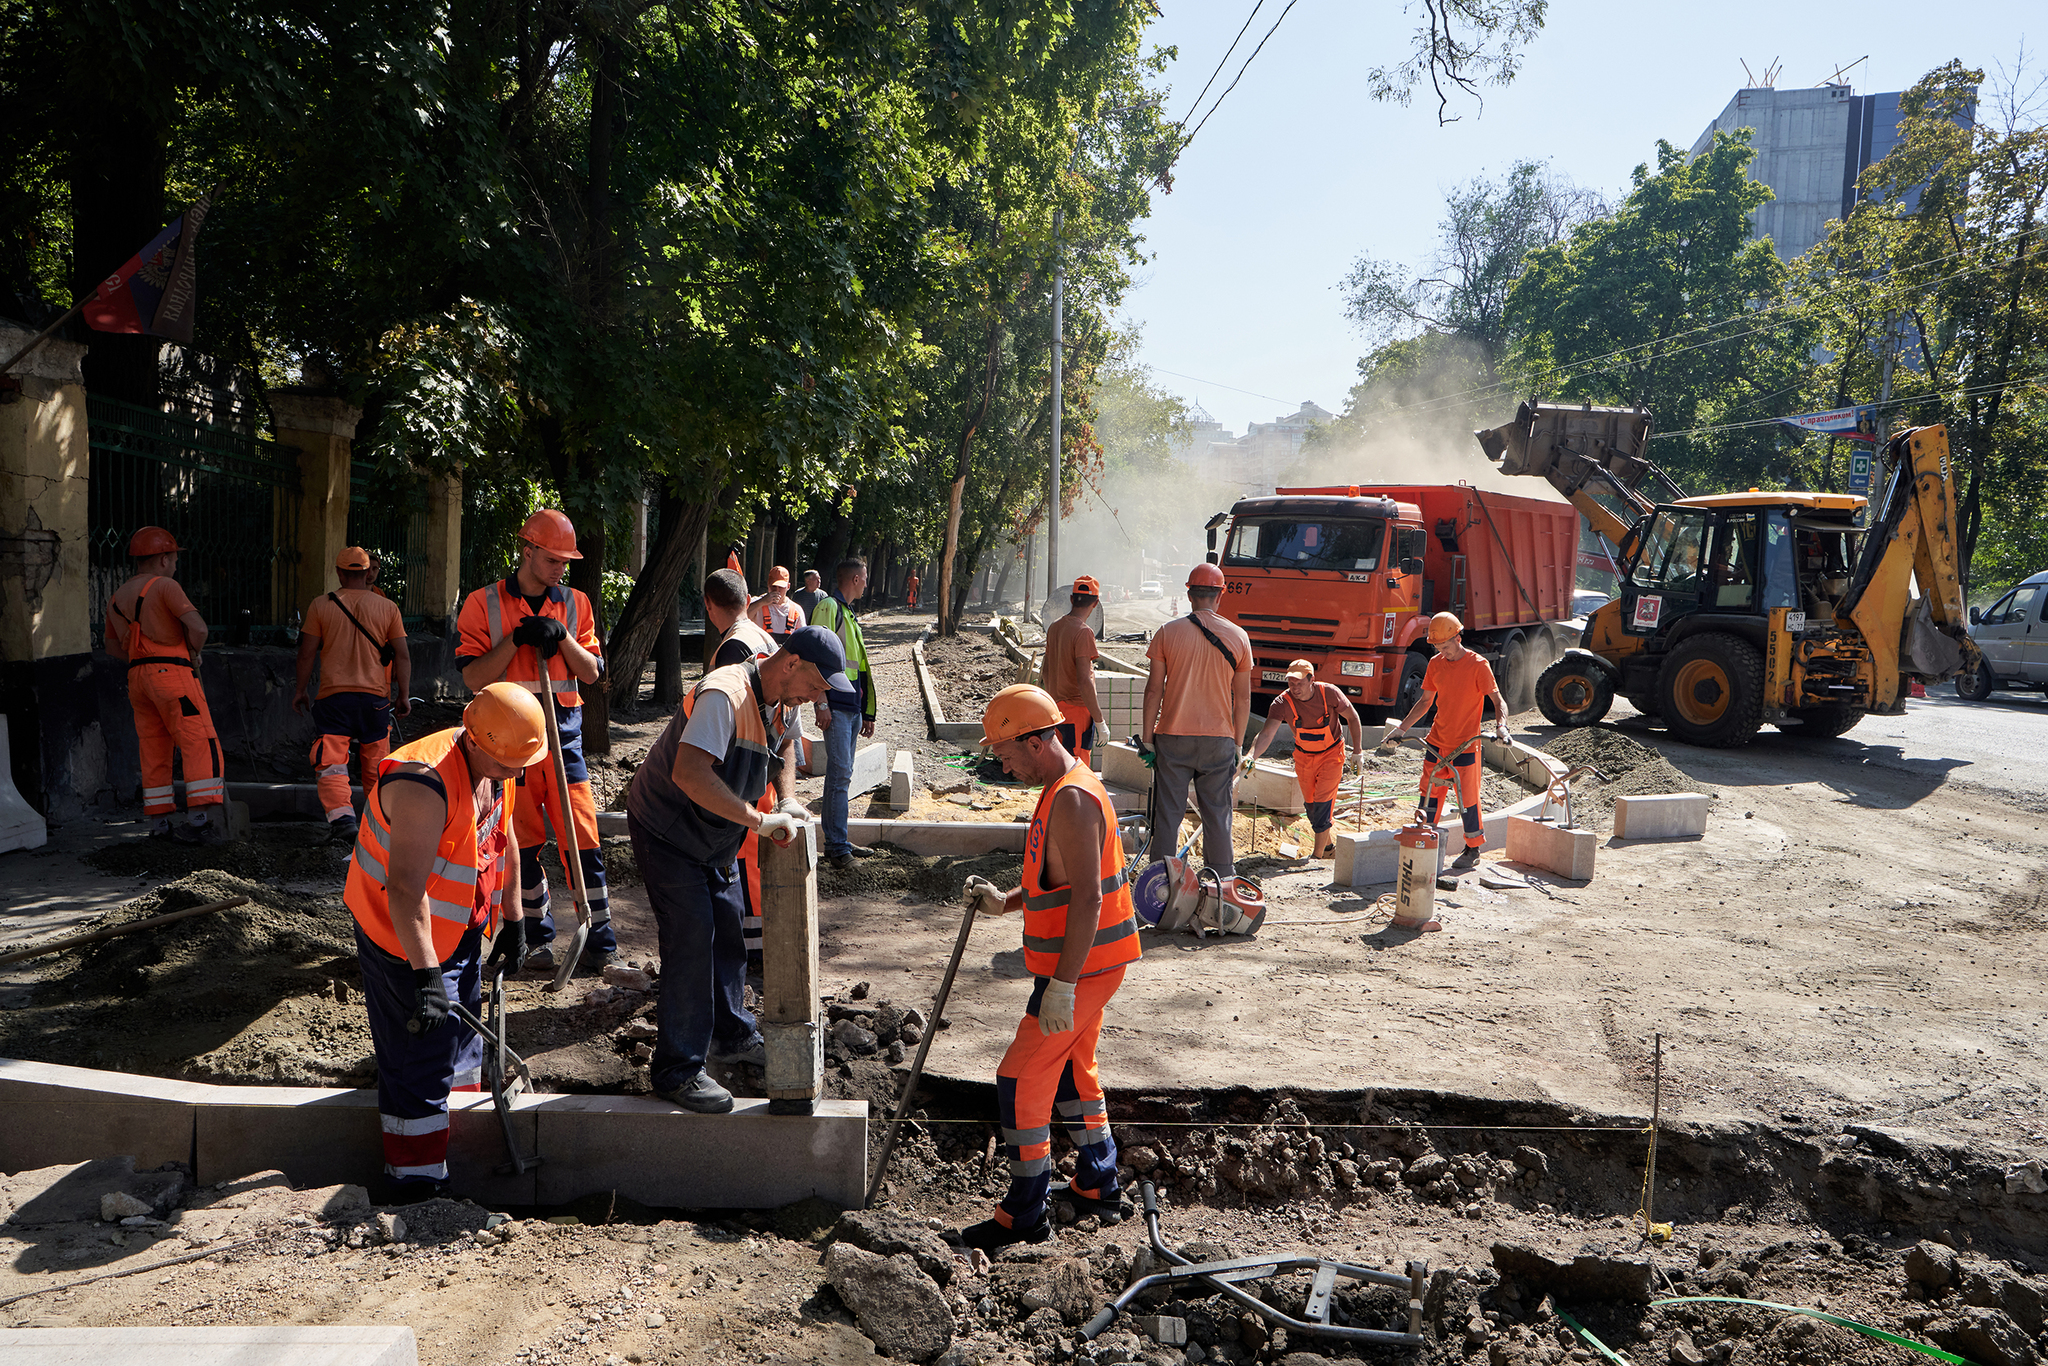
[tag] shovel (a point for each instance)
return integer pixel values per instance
(505, 1070)
(565, 839)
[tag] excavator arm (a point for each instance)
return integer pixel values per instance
(1593, 456)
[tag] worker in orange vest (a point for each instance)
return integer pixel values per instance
(1318, 713)
(1080, 933)
(526, 628)
(357, 636)
(155, 629)
(775, 613)
(911, 588)
(1458, 683)
(426, 885)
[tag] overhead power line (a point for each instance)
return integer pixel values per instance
(1218, 383)
(1219, 63)
(1240, 74)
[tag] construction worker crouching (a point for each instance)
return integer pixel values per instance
(154, 627)
(1315, 711)
(1080, 933)
(1069, 669)
(524, 629)
(694, 801)
(1458, 683)
(358, 637)
(425, 883)
(1198, 702)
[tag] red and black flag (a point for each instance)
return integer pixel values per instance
(157, 290)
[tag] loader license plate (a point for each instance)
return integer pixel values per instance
(1273, 675)
(1795, 621)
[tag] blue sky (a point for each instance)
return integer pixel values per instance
(1300, 170)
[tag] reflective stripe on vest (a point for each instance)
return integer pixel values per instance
(465, 884)
(494, 622)
(1045, 908)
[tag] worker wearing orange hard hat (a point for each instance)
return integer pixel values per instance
(1197, 707)
(1458, 682)
(357, 637)
(1080, 934)
(532, 629)
(1318, 714)
(1068, 671)
(427, 886)
(153, 627)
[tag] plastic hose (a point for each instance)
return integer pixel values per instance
(1825, 1317)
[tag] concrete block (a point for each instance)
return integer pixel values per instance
(958, 732)
(1122, 766)
(1540, 844)
(1670, 815)
(611, 823)
(939, 837)
(902, 780)
(1271, 786)
(73, 1114)
(21, 825)
(1368, 857)
(661, 1156)
(278, 1345)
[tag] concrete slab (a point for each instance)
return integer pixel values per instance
(283, 1345)
(21, 825)
(1272, 785)
(1669, 815)
(73, 1114)
(662, 1156)
(939, 837)
(1540, 844)
(870, 768)
(1371, 856)
(902, 779)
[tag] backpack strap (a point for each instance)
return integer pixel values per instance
(1221, 648)
(385, 652)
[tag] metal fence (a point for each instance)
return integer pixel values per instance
(387, 516)
(231, 498)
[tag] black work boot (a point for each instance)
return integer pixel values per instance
(1465, 862)
(990, 1236)
(1110, 1207)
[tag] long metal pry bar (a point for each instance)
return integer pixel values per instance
(1221, 1277)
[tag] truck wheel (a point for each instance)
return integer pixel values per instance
(1975, 684)
(1516, 678)
(1573, 692)
(1712, 687)
(1410, 687)
(1826, 722)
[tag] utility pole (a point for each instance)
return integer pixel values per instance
(1052, 472)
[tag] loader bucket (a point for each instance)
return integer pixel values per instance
(1508, 446)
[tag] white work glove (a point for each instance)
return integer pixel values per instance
(1500, 730)
(794, 809)
(1355, 762)
(780, 826)
(986, 897)
(1246, 762)
(1056, 1007)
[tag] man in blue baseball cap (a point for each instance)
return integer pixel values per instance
(692, 802)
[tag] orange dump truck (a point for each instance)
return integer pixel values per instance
(1347, 578)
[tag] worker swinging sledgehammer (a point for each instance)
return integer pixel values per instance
(1315, 711)
(154, 627)
(426, 882)
(533, 630)
(1080, 933)
(1458, 683)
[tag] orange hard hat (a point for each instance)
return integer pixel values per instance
(355, 557)
(151, 540)
(1018, 710)
(1205, 575)
(1444, 626)
(550, 530)
(1086, 585)
(504, 721)
(1301, 668)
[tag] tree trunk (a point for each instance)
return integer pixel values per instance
(949, 612)
(653, 593)
(668, 657)
(785, 552)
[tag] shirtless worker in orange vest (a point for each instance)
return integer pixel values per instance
(1457, 683)
(1080, 933)
(1318, 713)
(1069, 669)
(154, 627)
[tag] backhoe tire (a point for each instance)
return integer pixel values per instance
(1712, 688)
(1825, 722)
(1574, 692)
(1974, 685)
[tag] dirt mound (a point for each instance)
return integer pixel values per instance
(294, 851)
(1633, 769)
(898, 872)
(967, 670)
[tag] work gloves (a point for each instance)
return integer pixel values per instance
(1355, 762)
(1500, 730)
(986, 897)
(1056, 1007)
(545, 634)
(430, 1000)
(1246, 762)
(1393, 737)
(1145, 752)
(780, 826)
(510, 947)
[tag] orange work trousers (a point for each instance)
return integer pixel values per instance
(171, 715)
(1466, 767)
(1078, 734)
(1317, 775)
(1039, 1073)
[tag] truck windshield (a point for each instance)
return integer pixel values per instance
(1290, 543)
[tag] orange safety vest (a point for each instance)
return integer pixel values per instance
(466, 884)
(1322, 736)
(789, 616)
(1045, 908)
(503, 609)
(141, 648)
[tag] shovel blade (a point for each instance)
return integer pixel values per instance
(565, 967)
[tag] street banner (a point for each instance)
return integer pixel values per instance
(156, 292)
(1857, 423)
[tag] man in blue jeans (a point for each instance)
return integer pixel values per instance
(848, 715)
(692, 803)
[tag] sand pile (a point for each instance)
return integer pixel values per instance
(1633, 769)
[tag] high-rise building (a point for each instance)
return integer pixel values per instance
(1811, 146)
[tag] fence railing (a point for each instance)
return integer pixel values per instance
(230, 498)
(387, 516)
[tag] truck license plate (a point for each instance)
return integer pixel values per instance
(1273, 675)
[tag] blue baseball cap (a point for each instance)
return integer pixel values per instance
(816, 645)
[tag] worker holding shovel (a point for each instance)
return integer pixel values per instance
(1080, 933)
(1458, 683)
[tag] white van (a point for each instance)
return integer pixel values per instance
(2013, 634)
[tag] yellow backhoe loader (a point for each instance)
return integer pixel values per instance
(1739, 608)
